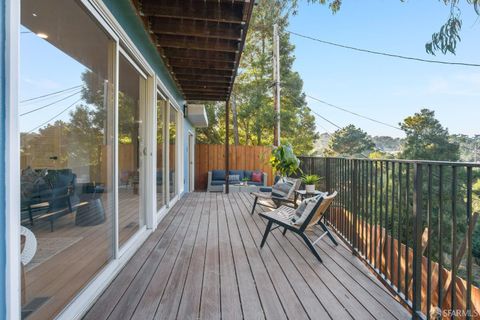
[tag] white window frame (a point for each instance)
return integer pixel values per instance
(12, 161)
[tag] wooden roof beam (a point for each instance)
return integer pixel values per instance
(200, 71)
(200, 54)
(231, 12)
(182, 42)
(202, 64)
(196, 28)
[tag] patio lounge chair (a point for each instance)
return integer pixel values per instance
(310, 212)
(276, 195)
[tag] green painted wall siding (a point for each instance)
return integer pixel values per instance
(124, 12)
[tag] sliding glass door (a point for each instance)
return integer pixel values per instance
(131, 149)
(160, 174)
(173, 153)
(66, 155)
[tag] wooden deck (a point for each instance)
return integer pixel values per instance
(204, 261)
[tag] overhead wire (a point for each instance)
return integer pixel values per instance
(51, 103)
(391, 55)
(51, 94)
(54, 117)
(354, 113)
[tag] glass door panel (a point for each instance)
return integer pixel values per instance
(131, 133)
(160, 174)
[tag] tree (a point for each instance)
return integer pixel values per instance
(445, 40)
(350, 141)
(427, 139)
(253, 92)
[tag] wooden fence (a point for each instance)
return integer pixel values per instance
(212, 157)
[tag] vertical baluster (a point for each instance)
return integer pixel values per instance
(453, 303)
(376, 216)
(399, 235)
(440, 237)
(417, 242)
(392, 222)
(429, 258)
(381, 217)
(407, 224)
(469, 243)
(386, 246)
(371, 210)
(363, 208)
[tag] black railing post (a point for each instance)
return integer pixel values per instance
(354, 204)
(417, 242)
(327, 175)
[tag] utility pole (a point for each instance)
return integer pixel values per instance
(235, 120)
(276, 79)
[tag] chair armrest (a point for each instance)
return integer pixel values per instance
(209, 178)
(264, 178)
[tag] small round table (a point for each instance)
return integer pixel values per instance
(304, 194)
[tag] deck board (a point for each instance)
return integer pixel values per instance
(204, 261)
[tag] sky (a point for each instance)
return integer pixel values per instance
(384, 88)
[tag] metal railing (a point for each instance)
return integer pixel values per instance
(413, 223)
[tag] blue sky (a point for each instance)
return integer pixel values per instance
(384, 88)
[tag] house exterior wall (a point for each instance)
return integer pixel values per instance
(125, 14)
(2, 162)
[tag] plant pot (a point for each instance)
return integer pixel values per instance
(310, 188)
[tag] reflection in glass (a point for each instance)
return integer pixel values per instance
(66, 159)
(131, 97)
(173, 154)
(160, 157)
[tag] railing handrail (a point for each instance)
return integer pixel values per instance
(433, 162)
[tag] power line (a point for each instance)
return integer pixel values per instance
(57, 115)
(391, 55)
(51, 103)
(302, 103)
(51, 94)
(354, 113)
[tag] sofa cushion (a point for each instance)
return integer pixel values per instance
(234, 178)
(237, 172)
(248, 174)
(218, 175)
(217, 182)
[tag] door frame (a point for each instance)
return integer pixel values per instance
(191, 161)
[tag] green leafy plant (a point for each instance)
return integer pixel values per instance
(284, 161)
(245, 179)
(310, 179)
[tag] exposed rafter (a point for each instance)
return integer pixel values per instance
(200, 41)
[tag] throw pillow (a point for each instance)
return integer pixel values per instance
(234, 178)
(282, 188)
(304, 210)
(256, 177)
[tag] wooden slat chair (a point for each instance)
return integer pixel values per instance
(282, 217)
(268, 196)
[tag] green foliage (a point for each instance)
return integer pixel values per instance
(310, 179)
(427, 139)
(253, 92)
(284, 161)
(349, 141)
(445, 40)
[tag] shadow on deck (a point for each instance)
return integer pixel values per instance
(204, 261)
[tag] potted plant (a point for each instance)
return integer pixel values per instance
(283, 160)
(244, 181)
(310, 180)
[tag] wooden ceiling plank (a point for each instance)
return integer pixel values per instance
(183, 42)
(203, 29)
(230, 12)
(200, 54)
